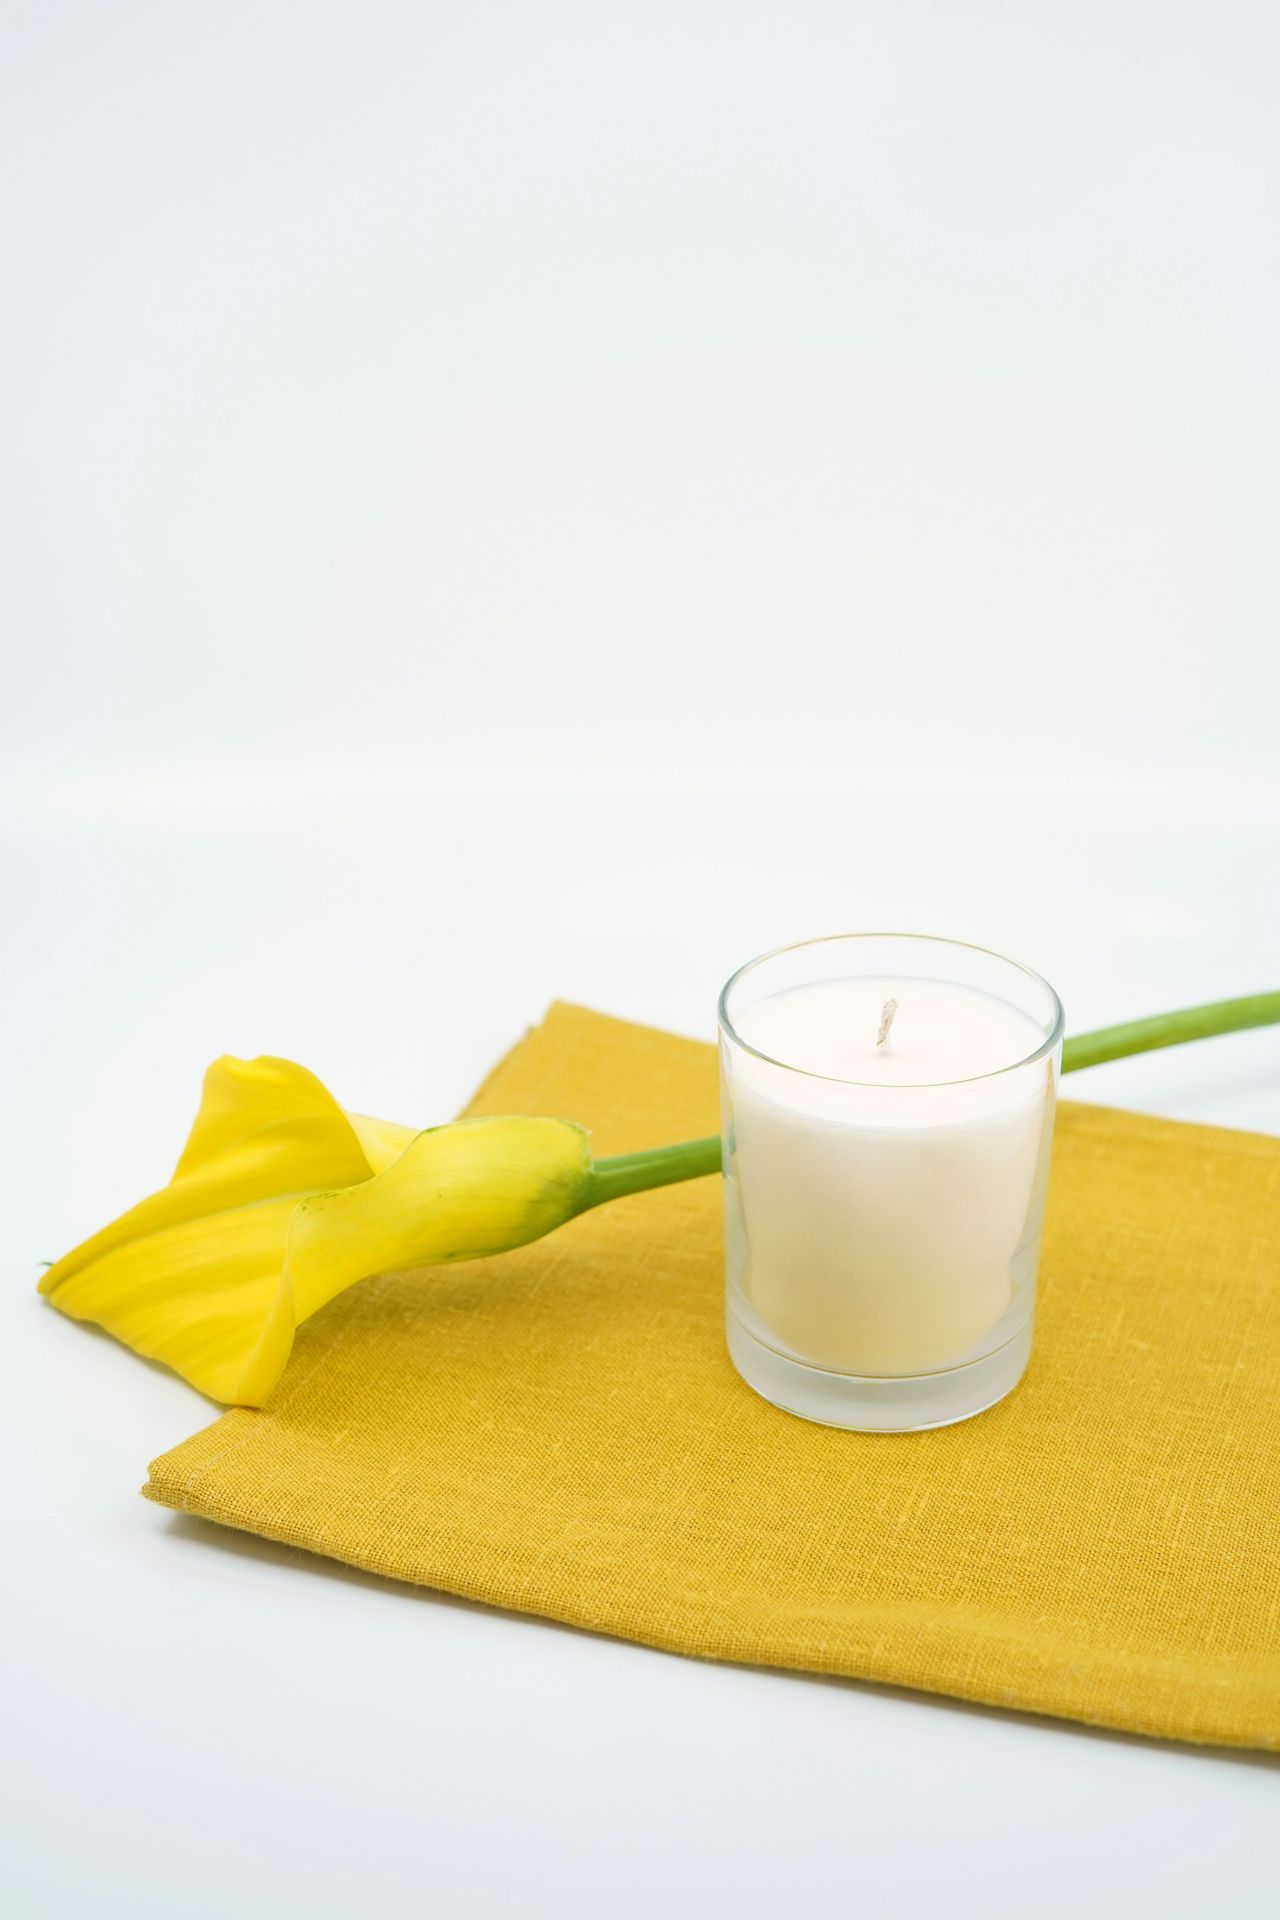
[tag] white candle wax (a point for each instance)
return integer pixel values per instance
(887, 1196)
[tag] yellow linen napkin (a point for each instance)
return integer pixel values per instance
(560, 1431)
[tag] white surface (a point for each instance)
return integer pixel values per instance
(554, 500)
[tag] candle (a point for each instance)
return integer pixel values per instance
(886, 1149)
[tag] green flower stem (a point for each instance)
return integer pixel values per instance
(1170, 1029)
(655, 1167)
(692, 1159)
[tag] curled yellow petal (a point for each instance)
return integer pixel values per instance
(456, 1193)
(201, 1297)
(381, 1141)
(281, 1199)
(247, 1099)
(191, 1275)
(265, 1128)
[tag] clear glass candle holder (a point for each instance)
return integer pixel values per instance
(888, 1104)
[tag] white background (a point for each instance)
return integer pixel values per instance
(503, 501)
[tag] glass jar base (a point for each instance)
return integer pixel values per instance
(907, 1404)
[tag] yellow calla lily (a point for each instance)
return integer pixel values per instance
(281, 1199)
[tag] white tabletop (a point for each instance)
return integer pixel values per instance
(279, 1737)
(515, 503)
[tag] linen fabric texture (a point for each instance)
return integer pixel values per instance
(559, 1431)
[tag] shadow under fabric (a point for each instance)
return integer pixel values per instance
(559, 1431)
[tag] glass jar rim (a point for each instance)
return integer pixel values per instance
(1046, 1047)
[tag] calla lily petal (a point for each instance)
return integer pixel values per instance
(281, 1199)
(456, 1193)
(244, 1098)
(200, 1296)
(381, 1141)
(265, 1128)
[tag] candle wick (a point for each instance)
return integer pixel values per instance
(887, 1012)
